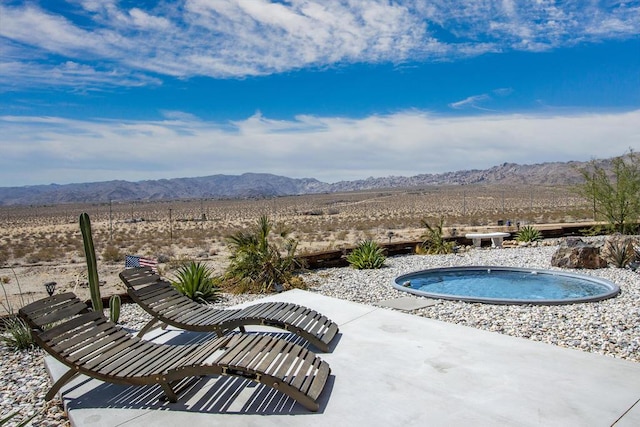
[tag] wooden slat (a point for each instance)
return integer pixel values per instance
(318, 381)
(69, 325)
(306, 367)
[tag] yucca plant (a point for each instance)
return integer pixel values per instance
(257, 263)
(196, 281)
(22, 423)
(528, 234)
(16, 334)
(367, 255)
(620, 253)
(434, 242)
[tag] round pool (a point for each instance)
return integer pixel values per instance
(506, 285)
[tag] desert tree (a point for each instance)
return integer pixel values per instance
(614, 190)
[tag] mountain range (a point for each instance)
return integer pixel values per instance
(259, 185)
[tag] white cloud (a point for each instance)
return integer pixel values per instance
(38, 150)
(471, 101)
(238, 38)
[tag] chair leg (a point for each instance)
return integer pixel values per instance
(173, 392)
(152, 323)
(170, 395)
(68, 376)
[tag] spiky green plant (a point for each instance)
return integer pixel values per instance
(257, 262)
(92, 265)
(196, 281)
(528, 234)
(16, 334)
(433, 239)
(22, 423)
(620, 253)
(367, 255)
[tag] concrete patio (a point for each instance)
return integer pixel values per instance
(391, 368)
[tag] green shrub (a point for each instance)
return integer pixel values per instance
(528, 234)
(257, 262)
(367, 255)
(16, 334)
(434, 242)
(196, 281)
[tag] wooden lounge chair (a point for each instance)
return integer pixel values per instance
(90, 344)
(160, 299)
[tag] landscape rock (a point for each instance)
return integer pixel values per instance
(573, 252)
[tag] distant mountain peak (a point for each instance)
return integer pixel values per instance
(255, 185)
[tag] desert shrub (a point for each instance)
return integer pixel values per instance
(619, 252)
(367, 255)
(16, 334)
(164, 258)
(528, 234)
(175, 263)
(112, 254)
(597, 230)
(433, 240)
(196, 281)
(257, 263)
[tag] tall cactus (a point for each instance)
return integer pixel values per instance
(92, 265)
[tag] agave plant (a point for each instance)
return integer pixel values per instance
(528, 234)
(367, 255)
(196, 281)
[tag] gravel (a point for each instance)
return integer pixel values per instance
(610, 327)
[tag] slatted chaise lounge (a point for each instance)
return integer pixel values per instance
(90, 344)
(160, 299)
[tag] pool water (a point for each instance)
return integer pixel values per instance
(502, 285)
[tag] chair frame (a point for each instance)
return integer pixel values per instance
(167, 306)
(88, 343)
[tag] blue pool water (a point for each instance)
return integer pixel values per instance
(503, 285)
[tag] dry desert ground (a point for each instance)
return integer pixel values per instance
(40, 244)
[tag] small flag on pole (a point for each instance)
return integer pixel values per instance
(132, 261)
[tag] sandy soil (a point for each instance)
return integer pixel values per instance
(40, 244)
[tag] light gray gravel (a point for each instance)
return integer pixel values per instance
(610, 327)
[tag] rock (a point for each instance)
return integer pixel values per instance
(575, 253)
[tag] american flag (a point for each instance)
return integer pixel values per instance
(131, 261)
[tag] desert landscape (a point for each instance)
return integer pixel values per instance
(40, 244)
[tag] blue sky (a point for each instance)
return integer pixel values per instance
(94, 90)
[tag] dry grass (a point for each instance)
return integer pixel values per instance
(48, 237)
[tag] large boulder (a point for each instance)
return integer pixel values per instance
(575, 253)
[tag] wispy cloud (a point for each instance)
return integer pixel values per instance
(476, 101)
(471, 101)
(238, 38)
(39, 150)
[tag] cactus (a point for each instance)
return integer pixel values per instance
(114, 308)
(92, 266)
